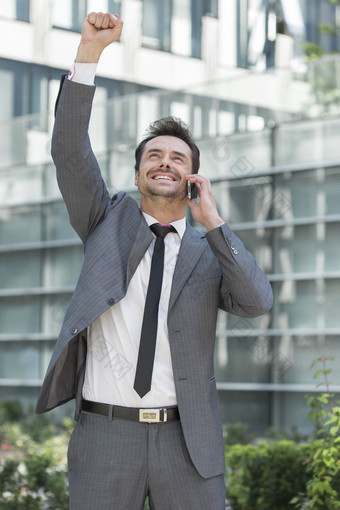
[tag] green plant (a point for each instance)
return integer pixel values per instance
(278, 435)
(237, 433)
(323, 463)
(10, 411)
(33, 481)
(33, 473)
(265, 476)
(323, 70)
(315, 50)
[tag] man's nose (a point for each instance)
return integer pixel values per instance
(165, 163)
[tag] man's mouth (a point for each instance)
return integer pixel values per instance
(164, 177)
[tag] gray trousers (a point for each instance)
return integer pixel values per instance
(116, 464)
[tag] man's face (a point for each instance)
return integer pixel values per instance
(165, 162)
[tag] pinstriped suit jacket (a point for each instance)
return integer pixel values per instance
(212, 271)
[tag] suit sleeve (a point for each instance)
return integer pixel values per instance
(78, 174)
(245, 289)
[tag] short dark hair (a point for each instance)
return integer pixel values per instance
(170, 126)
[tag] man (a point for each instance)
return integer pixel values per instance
(147, 412)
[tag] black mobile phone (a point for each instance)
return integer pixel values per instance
(191, 190)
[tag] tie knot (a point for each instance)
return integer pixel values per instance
(161, 230)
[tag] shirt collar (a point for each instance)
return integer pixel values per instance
(180, 225)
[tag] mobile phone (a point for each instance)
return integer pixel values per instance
(191, 190)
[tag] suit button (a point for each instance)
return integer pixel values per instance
(75, 331)
(111, 301)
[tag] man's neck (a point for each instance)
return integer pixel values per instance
(163, 212)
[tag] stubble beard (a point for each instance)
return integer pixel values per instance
(167, 194)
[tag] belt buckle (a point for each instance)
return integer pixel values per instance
(153, 415)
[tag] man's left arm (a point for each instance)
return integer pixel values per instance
(245, 290)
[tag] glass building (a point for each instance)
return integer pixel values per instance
(268, 133)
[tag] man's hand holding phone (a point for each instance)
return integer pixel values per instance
(203, 211)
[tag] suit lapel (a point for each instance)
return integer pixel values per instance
(142, 241)
(192, 247)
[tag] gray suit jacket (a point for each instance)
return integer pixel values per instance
(213, 271)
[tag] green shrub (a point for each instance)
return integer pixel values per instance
(323, 462)
(265, 476)
(237, 433)
(33, 472)
(10, 411)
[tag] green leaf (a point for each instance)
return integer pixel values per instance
(312, 416)
(318, 373)
(309, 400)
(315, 362)
(331, 420)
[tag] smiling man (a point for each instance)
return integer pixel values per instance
(165, 163)
(136, 346)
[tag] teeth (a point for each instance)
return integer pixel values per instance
(158, 177)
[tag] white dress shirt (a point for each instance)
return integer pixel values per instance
(113, 338)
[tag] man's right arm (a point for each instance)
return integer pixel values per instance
(78, 174)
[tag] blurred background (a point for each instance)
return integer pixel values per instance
(258, 82)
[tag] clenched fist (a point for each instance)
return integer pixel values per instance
(99, 31)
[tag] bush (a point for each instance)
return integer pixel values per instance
(265, 476)
(236, 433)
(33, 472)
(10, 411)
(323, 463)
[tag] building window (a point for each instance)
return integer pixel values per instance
(15, 9)
(69, 14)
(176, 25)
(113, 6)
(200, 8)
(157, 24)
(211, 7)
(14, 98)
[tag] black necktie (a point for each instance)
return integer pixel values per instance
(147, 344)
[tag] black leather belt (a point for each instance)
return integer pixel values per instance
(131, 413)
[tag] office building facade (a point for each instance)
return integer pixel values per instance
(234, 71)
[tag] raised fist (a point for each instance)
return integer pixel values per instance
(99, 30)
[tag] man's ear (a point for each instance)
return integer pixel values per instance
(136, 177)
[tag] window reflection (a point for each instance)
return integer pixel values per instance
(15, 9)
(20, 360)
(176, 25)
(69, 14)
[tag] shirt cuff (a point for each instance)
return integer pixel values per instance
(82, 73)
